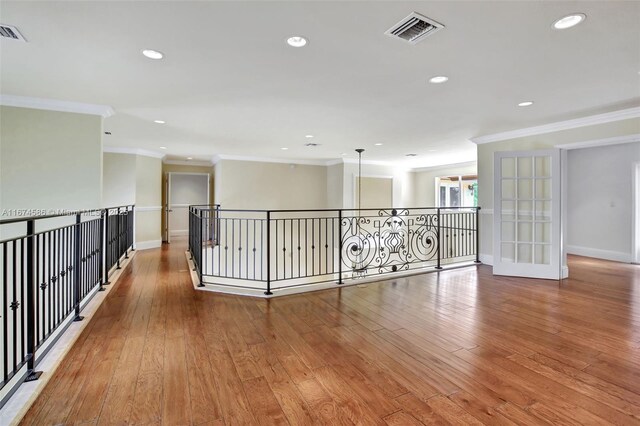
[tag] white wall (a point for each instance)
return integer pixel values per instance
(599, 201)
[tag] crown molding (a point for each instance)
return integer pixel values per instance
(608, 117)
(188, 163)
(132, 151)
(445, 166)
(216, 159)
(602, 142)
(56, 105)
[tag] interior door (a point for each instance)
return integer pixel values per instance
(185, 189)
(527, 222)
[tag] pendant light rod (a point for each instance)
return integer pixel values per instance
(359, 151)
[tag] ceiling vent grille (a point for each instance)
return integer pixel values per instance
(12, 33)
(414, 28)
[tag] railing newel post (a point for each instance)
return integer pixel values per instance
(76, 268)
(31, 314)
(101, 266)
(133, 221)
(200, 247)
(439, 240)
(268, 292)
(477, 235)
(118, 244)
(340, 246)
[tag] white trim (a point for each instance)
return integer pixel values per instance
(148, 208)
(616, 256)
(56, 105)
(602, 142)
(216, 159)
(486, 259)
(132, 151)
(145, 245)
(196, 163)
(445, 166)
(560, 125)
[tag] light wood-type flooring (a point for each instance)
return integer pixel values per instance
(461, 347)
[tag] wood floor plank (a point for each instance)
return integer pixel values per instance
(457, 347)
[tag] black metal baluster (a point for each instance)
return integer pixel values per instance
(276, 262)
(438, 239)
(477, 234)
(5, 284)
(299, 249)
(23, 311)
(14, 303)
(291, 245)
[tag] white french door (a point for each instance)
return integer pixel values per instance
(527, 222)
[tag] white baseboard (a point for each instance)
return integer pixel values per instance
(486, 259)
(616, 256)
(144, 245)
(179, 232)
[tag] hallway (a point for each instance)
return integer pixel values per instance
(460, 348)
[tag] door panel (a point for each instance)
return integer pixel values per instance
(527, 232)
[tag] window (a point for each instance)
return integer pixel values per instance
(457, 191)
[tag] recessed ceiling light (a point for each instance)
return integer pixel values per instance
(152, 54)
(163, 147)
(296, 41)
(432, 150)
(344, 153)
(159, 121)
(308, 136)
(189, 158)
(438, 79)
(378, 144)
(284, 148)
(525, 104)
(569, 21)
(412, 155)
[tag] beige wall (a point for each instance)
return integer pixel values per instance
(263, 186)
(50, 159)
(537, 142)
(402, 183)
(335, 183)
(119, 179)
(424, 181)
(148, 200)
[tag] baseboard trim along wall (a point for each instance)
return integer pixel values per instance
(616, 256)
(144, 245)
(486, 259)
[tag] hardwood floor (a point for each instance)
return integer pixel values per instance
(462, 348)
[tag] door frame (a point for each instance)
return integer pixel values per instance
(168, 197)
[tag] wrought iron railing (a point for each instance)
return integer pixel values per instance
(279, 249)
(50, 267)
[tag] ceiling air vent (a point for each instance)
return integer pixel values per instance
(7, 31)
(414, 28)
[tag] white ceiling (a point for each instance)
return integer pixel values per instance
(229, 83)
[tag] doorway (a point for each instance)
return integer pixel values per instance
(183, 190)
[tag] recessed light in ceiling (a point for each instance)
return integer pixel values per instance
(284, 148)
(378, 144)
(525, 104)
(438, 79)
(344, 154)
(432, 150)
(412, 155)
(296, 41)
(189, 158)
(308, 136)
(152, 54)
(159, 121)
(569, 21)
(163, 147)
